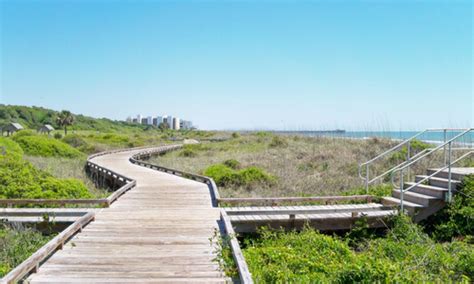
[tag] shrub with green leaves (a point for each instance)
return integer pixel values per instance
(404, 255)
(232, 163)
(415, 147)
(20, 179)
(16, 245)
(247, 177)
(10, 148)
(36, 145)
(456, 220)
(278, 141)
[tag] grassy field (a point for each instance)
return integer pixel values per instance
(301, 166)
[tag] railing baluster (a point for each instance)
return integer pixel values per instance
(449, 171)
(401, 191)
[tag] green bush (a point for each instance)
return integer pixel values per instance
(404, 255)
(221, 174)
(278, 141)
(456, 220)
(16, 245)
(19, 179)
(235, 135)
(415, 147)
(188, 153)
(248, 177)
(57, 135)
(46, 147)
(232, 163)
(10, 148)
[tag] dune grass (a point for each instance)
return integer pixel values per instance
(302, 166)
(65, 168)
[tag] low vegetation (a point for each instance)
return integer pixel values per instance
(440, 250)
(295, 165)
(404, 254)
(251, 177)
(17, 244)
(37, 145)
(20, 179)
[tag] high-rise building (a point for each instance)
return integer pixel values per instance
(159, 120)
(176, 123)
(169, 120)
(173, 122)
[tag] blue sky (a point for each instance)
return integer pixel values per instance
(357, 65)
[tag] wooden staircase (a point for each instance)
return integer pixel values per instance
(428, 198)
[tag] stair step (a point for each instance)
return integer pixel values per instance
(438, 181)
(431, 190)
(409, 206)
(415, 197)
(444, 174)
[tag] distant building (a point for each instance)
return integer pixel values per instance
(157, 120)
(176, 123)
(149, 120)
(11, 128)
(185, 124)
(46, 129)
(173, 122)
(169, 120)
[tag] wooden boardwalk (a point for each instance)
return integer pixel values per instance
(158, 232)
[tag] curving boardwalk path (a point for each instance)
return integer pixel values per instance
(158, 232)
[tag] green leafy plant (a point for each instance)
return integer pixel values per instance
(16, 245)
(37, 145)
(278, 141)
(247, 177)
(232, 163)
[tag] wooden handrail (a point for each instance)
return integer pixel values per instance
(32, 263)
(244, 273)
(279, 200)
(207, 180)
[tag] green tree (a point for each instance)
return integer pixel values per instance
(65, 119)
(164, 126)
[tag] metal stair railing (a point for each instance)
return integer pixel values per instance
(447, 165)
(368, 180)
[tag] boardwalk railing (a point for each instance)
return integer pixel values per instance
(137, 159)
(125, 183)
(32, 263)
(244, 273)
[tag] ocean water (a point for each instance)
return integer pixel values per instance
(435, 137)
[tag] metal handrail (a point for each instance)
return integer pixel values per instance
(434, 149)
(367, 178)
(448, 165)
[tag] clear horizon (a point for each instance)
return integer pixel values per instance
(237, 65)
